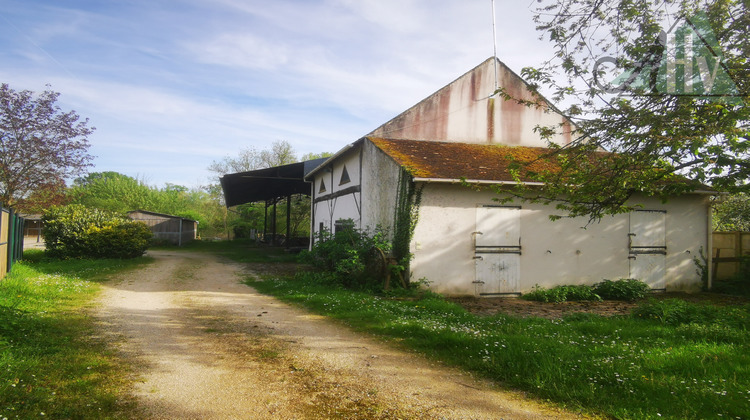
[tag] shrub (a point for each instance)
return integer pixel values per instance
(623, 289)
(353, 256)
(76, 231)
(562, 294)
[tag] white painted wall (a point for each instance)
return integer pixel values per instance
(553, 253)
(380, 176)
(328, 211)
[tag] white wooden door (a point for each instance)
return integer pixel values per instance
(497, 274)
(648, 247)
(497, 250)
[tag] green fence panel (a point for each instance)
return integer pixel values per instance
(11, 239)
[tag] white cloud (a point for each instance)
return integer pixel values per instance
(241, 50)
(193, 81)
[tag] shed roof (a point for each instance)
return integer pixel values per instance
(268, 183)
(171, 216)
(448, 160)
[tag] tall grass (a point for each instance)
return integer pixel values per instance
(624, 367)
(51, 362)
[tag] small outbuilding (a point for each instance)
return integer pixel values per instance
(167, 228)
(443, 159)
(32, 227)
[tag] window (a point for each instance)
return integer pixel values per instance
(344, 177)
(322, 186)
(342, 225)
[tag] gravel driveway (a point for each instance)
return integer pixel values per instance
(205, 346)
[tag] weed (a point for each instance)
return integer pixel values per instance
(676, 312)
(562, 294)
(353, 256)
(623, 289)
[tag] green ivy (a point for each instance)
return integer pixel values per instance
(405, 220)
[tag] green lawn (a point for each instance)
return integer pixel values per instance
(51, 362)
(676, 360)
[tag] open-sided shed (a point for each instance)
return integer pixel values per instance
(269, 185)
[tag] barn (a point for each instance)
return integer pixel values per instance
(465, 242)
(167, 228)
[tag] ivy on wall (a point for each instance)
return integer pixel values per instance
(407, 215)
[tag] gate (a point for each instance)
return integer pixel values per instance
(11, 239)
(648, 247)
(497, 250)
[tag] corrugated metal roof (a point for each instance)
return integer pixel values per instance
(268, 183)
(447, 160)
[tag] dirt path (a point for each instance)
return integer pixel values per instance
(206, 346)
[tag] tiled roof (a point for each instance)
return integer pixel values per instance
(447, 160)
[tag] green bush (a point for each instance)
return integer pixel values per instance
(623, 289)
(562, 294)
(353, 256)
(76, 231)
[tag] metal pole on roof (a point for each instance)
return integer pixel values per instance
(494, 44)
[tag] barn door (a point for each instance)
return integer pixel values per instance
(497, 250)
(648, 247)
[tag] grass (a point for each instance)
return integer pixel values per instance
(51, 362)
(670, 360)
(245, 251)
(624, 367)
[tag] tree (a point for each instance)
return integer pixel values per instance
(112, 191)
(281, 153)
(732, 213)
(657, 91)
(250, 159)
(313, 156)
(39, 143)
(51, 193)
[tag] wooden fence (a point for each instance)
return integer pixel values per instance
(728, 248)
(11, 239)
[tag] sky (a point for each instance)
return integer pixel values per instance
(173, 85)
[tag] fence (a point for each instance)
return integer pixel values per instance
(11, 239)
(728, 248)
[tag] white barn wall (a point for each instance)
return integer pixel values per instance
(466, 111)
(553, 253)
(347, 206)
(380, 176)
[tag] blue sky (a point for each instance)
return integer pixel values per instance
(172, 85)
